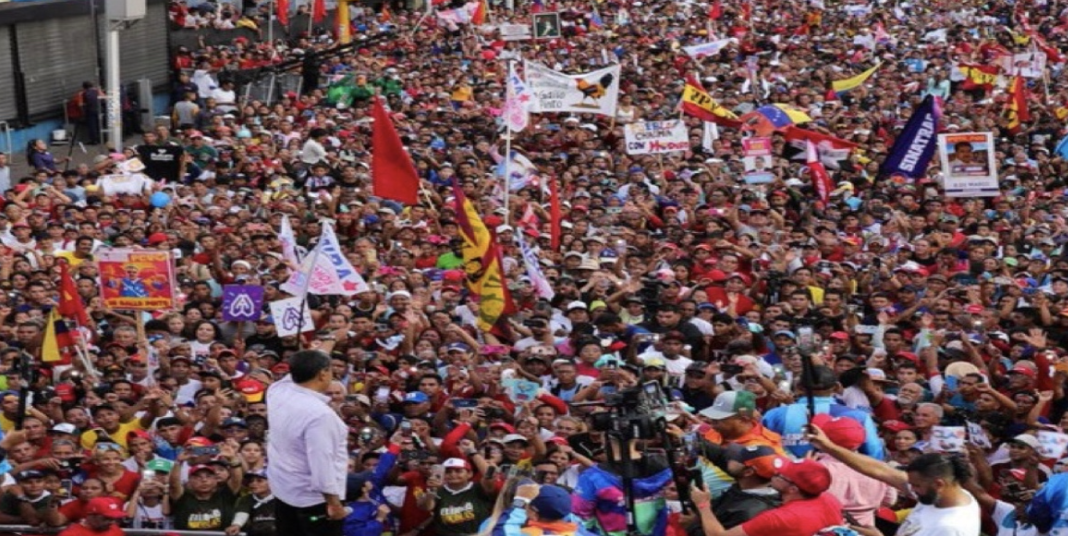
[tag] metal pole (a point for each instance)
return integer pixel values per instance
(270, 24)
(114, 93)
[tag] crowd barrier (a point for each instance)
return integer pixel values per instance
(298, 24)
(6, 530)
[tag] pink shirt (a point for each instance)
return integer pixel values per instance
(860, 495)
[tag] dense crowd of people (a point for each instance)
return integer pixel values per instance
(883, 359)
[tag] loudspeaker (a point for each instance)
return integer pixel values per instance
(125, 10)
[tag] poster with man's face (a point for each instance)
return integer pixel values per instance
(968, 165)
(547, 25)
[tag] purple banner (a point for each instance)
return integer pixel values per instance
(242, 303)
(916, 145)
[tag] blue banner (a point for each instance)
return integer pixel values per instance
(916, 145)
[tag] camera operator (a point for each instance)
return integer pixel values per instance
(599, 496)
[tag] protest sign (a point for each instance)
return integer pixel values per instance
(656, 137)
(948, 438)
(514, 32)
(757, 160)
(520, 390)
(977, 436)
(136, 279)
(1051, 445)
(968, 167)
(594, 92)
(547, 25)
(287, 317)
(242, 303)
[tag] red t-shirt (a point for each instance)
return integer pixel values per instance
(82, 530)
(797, 518)
(411, 515)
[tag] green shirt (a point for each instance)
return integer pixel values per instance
(461, 513)
(213, 513)
(450, 261)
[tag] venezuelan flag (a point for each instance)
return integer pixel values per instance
(841, 86)
(773, 117)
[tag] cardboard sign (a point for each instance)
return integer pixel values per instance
(948, 438)
(1051, 445)
(656, 137)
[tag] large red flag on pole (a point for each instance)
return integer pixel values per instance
(70, 303)
(319, 10)
(392, 170)
(283, 12)
(554, 214)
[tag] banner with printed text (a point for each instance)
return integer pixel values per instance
(595, 92)
(656, 137)
(134, 279)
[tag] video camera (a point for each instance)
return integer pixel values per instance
(636, 413)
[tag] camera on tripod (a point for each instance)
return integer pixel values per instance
(639, 412)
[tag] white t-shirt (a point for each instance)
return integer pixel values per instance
(927, 520)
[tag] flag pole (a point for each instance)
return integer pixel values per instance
(270, 23)
(304, 296)
(508, 153)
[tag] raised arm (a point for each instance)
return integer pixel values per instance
(860, 463)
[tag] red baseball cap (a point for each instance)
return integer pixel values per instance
(842, 431)
(896, 426)
(503, 426)
(1025, 370)
(809, 476)
(252, 389)
(840, 335)
(198, 441)
(908, 355)
(105, 506)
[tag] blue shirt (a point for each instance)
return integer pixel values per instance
(790, 421)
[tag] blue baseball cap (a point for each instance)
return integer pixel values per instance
(416, 397)
(458, 346)
(785, 333)
(552, 503)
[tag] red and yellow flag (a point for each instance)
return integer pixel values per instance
(1016, 110)
(483, 268)
(698, 103)
(976, 76)
(57, 338)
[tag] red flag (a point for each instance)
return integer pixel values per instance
(283, 12)
(479, 16)
(554, 214)
(747, 10)
(795, 133)
(1016, 110)
(70, 303)
(319, 10)
(715, 11)
(820, 179)
(392, 172)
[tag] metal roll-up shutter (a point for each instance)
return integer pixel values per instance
(8, 109)
(143, 47)
(56, 56)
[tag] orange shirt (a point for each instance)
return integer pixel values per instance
(758, 435)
